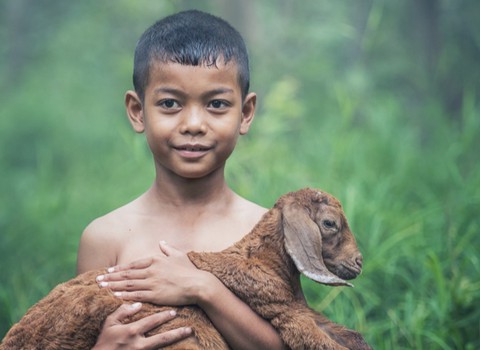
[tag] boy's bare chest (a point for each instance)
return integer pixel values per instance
(140, 238)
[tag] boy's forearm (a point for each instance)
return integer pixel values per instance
(240, 326)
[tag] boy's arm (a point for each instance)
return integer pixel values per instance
(234, 319)
(96, 250)
(171, 279)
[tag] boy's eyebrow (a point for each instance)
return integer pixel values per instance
(213, 92)
(167, 90)
(218, 91)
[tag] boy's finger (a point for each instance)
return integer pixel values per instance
(168, 250)
(125, 275)
(163, 247)
(122, 312)
(137, 295)
(125, 285)
(167, 338)
(138, 264)
(152, 321)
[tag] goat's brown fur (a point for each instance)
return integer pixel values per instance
(262, 269)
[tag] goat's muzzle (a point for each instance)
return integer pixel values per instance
(349, 269)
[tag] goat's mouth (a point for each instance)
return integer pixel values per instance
(344, 270)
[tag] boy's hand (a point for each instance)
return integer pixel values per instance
(168, 278)
(117, 335)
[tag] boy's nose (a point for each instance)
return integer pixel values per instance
(193, 122)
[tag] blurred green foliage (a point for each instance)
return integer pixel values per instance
(375, 101)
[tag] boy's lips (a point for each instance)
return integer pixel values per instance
(192, 150)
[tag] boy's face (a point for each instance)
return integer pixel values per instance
(192, 116)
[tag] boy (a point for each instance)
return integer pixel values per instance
(191, 100)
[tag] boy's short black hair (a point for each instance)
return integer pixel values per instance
(190, 38)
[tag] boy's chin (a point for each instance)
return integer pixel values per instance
(194, 174)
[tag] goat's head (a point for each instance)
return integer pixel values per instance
(318, 238)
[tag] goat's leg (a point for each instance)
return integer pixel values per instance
(342, 335)
(270, 297)
(298, 329)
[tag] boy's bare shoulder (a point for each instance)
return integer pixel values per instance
(110, 224)
(111, 221)
(102, 238)
(249, 212)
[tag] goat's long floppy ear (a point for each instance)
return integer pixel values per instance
(303, 242)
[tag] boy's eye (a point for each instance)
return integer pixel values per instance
(217, 104)
(168, 103)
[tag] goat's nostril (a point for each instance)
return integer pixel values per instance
(359, 261)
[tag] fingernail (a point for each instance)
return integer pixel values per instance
(110, 269)
(163, 242)
(173, 313)
(103, 284)
(188, 330)
(100, 278)
(136, 305)
(117, 294)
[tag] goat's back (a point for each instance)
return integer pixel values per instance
(71, 316)
(55, 320)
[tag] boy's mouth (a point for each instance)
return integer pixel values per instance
(193, 148)
(192, 151)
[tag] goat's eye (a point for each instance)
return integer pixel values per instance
(329, 224)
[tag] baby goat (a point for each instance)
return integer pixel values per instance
(305, 232)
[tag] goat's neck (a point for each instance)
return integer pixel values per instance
(266, 242)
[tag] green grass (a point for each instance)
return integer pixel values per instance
(413, 207)
(406, 170)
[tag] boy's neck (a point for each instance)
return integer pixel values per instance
(182, 192)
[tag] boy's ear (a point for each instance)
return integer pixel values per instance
(134, 107)
(248, 112)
